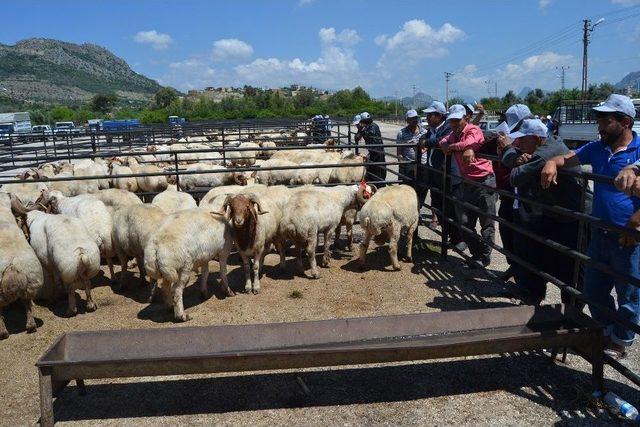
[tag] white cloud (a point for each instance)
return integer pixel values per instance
(415, 42)
(544, 3)
(534, 71)
(157, 40)
(191, 73)
(231, 50)
(335, 68)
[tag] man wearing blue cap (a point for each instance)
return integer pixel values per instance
(534, 148)
(407, 141)
(617, 148)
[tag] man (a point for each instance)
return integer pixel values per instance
(407, 141)
(372, 136)
(462, 137)
(358, 125)
(618, 147)
(434, 158)
(534, 148)
(471, 111)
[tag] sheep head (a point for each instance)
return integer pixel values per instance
(239, 179)
(365, 192)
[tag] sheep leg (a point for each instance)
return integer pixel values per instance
(299, 263)
(124, 265)
(349, 227)
(258, 259)
(4, 334)
(178, 305)
(393, 247)
(91, 306)
(336, 240)
(280, 247)
(166, 293)
(364, 246)
(110, 265)
(72, 309)
(247, 273)
(31, 322)
(143, 272)
(223, 275)
(311, 253)
(204, 276)
(410, 233)
(326, 256)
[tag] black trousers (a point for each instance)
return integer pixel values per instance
(544, 258)
(483, 198)
(506, 212)
(434, 181)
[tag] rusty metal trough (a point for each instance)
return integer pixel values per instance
(193, 350)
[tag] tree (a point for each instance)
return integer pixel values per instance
(510, 98)
(103, 102)
(165, 96)
(456, 100)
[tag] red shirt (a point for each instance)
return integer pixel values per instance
(471, 137)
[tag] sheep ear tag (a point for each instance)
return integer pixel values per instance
(366, 189)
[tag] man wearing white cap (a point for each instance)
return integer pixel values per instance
(466, 136)
(526, 161)
(617, 148)
(407, 141)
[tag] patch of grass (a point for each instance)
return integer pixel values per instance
(295, 294)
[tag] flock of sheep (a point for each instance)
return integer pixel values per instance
(54, 234)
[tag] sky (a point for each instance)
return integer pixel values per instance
(387, 47)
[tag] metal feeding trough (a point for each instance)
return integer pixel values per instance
(192, 350)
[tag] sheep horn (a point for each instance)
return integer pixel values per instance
(253, 199)
(19, 208)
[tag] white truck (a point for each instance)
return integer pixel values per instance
(577, 124)
(14, 126)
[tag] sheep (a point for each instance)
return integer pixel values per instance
(65, 250)
(384, 216)
(242, 158)
(21, 276)
(315, 211)
(118, 168)
(224, 176)
(351, 174)
(88, 167)
(185, 241)
(171, 200)
(164, 155)
(115, 198)
(27, 192)
(148, 183)
(255, 221)
(93, 214)
(306, 175)
(267, 144)
(274, 177)
(132, 227)
(218, 191)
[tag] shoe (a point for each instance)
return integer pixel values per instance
(480, 261)
(508, 274)
(615, 351)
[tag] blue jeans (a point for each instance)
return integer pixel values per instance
(598, 285)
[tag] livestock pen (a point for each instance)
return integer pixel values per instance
(376, 292)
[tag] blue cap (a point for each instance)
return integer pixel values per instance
(456, 111)
(436, 107)
(530, 127)
(617, 104)
(516, 113)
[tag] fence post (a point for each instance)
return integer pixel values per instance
(13, 160)
(445, 224)
(224, 152)
(580, 246)
(175, 159)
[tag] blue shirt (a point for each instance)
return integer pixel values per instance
(609, 204)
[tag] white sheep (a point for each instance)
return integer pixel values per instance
(187, 240)
(275, 177)
(27, 192)
(255, 221)
(390, 211)
(148, 183)
(171, 200)
(348, 174)
(267, 144)
(93, 214)
(115, 198)
(243, 158)
(222, 176)
(315, 211)
(215, 192)
(21, 275)
(124, 183)
(65, 250)
(132, 228)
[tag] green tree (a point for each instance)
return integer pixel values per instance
(165, 96)
(103, 102)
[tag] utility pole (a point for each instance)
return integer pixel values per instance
(447, 77)
(396, 103)
(587, 29)
(562, 69)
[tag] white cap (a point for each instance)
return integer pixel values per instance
(436, 107)
(326, 116)
(548, 117)
(470, 108)
(364, 116)
(530, 127)
(456, 111)
(515, 113)
(356, 119)
(411, 114)
(617, 104)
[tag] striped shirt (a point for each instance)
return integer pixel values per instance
(407, 136)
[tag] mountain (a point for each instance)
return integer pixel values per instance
(53, 71)
(420, 100)
(631, 79)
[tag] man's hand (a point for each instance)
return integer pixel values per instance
(502, 142)
(626, 179)
(445, 148)
(549, 174)
(634, 224)
(522, 159)
(468, 156)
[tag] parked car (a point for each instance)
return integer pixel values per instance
(6, 130)
(41, 132)
(66, 128)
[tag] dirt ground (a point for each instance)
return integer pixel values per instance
(507, 389)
